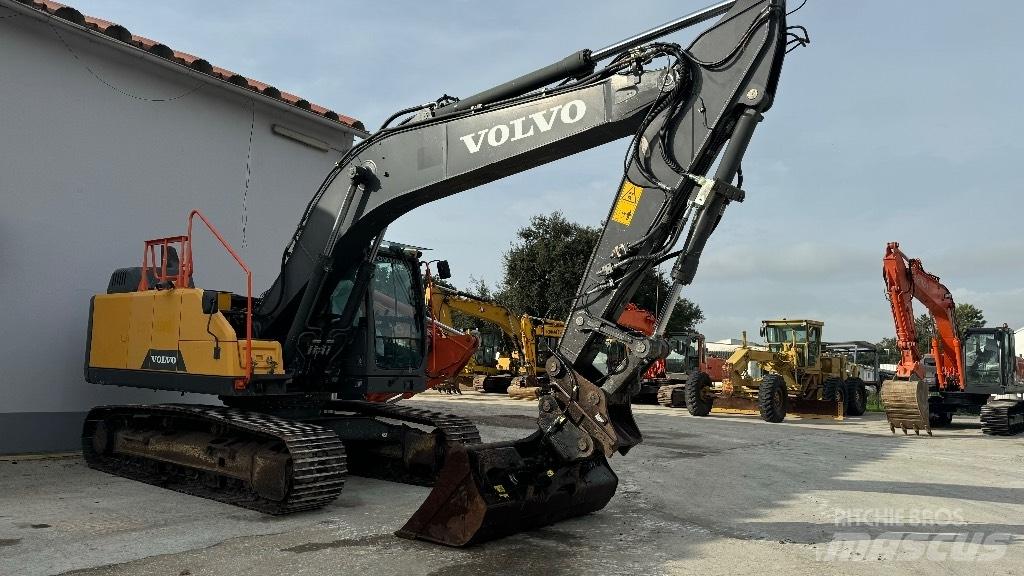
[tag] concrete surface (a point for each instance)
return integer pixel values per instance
(716, 495)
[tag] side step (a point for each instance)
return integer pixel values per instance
(248, 459)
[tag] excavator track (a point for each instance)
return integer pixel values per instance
(497, 384)
(906, 405)
(1002, 417)
(672, 395)
(247, 459)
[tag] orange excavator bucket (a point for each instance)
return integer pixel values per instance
(450, 351)
(906, 405)
(487, 491)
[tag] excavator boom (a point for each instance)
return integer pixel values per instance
(906, 280)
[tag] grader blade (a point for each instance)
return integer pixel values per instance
(735, 405)
(816, 409)
(906, 405)
(487, 491)
(795, 407)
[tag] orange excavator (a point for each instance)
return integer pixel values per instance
(450, 348)
(965, 368)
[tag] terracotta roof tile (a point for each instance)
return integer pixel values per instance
(120, 33)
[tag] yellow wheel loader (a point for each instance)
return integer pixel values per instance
(794, 376)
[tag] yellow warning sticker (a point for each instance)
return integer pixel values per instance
(625, 206)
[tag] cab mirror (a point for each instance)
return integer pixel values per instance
(444, 271)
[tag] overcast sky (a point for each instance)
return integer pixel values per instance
(901, 121)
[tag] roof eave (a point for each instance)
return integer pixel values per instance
(180, 68)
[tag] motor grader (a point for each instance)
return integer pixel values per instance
(793, 376)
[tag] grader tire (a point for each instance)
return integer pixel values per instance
(856, 397)
(833, 390)
(772, 398)
(698, 394)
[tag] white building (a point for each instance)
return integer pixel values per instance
(725, 347)
(1018, 342)
(108, 139)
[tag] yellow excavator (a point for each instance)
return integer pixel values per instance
(532, 337)
(795, 375)
(293, 363)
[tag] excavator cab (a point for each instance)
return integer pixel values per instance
(989, 360)
(685, 352)
(390, 343)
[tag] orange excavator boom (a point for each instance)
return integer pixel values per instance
(906, 279)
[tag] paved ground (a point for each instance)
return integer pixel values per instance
(716, 495)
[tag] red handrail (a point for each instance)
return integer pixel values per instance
(185, 268)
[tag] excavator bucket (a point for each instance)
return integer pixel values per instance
(487, 491)
(906, 405)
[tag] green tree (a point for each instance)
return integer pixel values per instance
(968, 316)
(925, 326)
(544, 266)
(888, 353)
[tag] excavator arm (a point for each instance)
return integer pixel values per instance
(532, 329)
(443, 302)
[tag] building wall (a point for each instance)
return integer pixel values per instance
(100, 150)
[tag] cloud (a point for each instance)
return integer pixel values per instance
(1000, 306)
